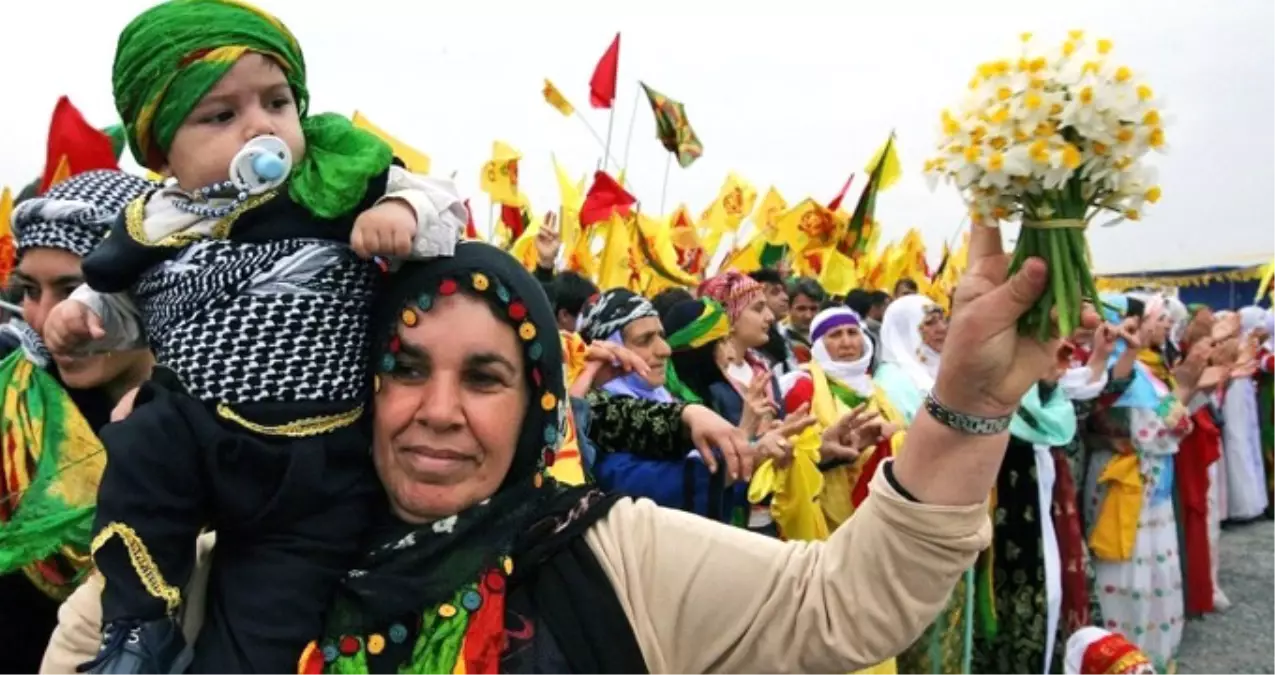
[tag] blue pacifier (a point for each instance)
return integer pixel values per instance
(262, 165)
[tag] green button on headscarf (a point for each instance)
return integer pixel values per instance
(172, 54)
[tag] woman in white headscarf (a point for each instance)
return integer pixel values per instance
(912, 334)
(1241, 439)
(835, 381)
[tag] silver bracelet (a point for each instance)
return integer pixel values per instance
(966, 424)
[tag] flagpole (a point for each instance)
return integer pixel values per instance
(491, 221)
(628, 142)
(668, 164)
(606, 149)
(597, 137)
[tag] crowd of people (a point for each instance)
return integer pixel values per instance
(313, 428)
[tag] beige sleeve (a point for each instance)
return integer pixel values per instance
(79, 631)
(705, 597)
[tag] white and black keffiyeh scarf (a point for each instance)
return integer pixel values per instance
(611, 312)
(27, 340)
(76, 214)
(282, 321)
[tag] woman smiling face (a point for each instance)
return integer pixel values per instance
(448, 415)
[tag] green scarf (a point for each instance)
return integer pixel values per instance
(49, 472)
(712, 324)
(172, 54)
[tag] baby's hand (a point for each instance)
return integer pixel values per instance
(386, 229)
(70, 325)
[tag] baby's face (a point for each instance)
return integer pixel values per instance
(253, 99)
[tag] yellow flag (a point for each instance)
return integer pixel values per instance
(555, 98)
(7, 245)
(734, 203)
(658, 256)
(415, 160)
(746, 258)
(6, 212)
(887, 156)
(1263, 286)
(524, 247)
(839, 275)
(615, 265)
(499, 178)
(807, 226)
(767, 216)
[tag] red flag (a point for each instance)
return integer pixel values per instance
(605, 198)
(471, 230)
(83, 147)
(602, 84)
(511, 216)
(836, 201)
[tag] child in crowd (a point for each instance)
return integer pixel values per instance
(254, 294)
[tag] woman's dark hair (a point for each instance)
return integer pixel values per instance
(860, 301)
(906, 284)
(667, 299)
(807, 287)
(570, 292)
(776, 348)
(766, 275)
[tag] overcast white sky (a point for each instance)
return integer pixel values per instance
(798, 99)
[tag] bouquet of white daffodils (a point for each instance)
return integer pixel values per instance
(1052, 139)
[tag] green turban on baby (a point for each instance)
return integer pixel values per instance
(172, 54)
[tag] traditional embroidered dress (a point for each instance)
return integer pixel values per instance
(1197, 456)
(1241, 440)
(1129, 507)
(257, 311)
(1025, 559)
(1080, 606)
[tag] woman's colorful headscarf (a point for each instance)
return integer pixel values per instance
(611, 311)
(431, 598)
(693, 328)
(732, 290)
(76, 214)
(52, 461)
(172, 54)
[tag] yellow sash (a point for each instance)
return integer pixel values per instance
(1117, 525)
